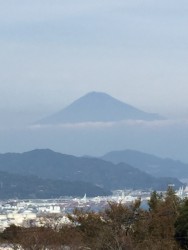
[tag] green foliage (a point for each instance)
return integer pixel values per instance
(155, 201)
(181, 225)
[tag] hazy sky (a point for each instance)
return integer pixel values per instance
(54, 51)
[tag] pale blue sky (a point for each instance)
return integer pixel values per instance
(54, 51)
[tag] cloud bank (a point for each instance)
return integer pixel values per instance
(101, 125)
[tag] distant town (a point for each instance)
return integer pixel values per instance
(36, 212)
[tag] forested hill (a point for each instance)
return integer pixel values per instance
(48, 164)
(14, 186)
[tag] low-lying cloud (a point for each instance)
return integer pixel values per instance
(100, 125)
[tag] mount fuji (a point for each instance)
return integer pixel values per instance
(98, 107)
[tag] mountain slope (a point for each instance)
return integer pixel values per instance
(97, 107)
(151, 164)
(51, 165)
(23, 187)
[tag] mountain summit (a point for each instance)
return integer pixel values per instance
(98, 107)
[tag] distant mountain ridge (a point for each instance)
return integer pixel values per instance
(48, 164)
(98, 107)
(149, 163)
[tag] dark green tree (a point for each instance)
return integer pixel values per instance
(181, 226)
(155, 200)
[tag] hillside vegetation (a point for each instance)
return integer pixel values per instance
(47, 164)
(119, 226)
